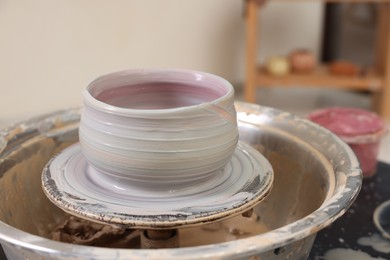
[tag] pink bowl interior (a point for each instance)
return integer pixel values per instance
(159, 95)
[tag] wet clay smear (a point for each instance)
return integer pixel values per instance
(82, 232)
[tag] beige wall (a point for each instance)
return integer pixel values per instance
(49, 50)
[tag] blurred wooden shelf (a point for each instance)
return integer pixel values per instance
(321, 77)
(378, 83)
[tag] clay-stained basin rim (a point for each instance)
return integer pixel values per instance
(348, 184)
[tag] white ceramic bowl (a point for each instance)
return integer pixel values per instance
(158, 125)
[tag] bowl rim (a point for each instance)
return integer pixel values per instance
(96, 104)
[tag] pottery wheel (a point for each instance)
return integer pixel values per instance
(76, 187)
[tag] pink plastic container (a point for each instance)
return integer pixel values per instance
(360, 129)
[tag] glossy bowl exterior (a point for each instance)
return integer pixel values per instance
(313, 168)
(189, 142)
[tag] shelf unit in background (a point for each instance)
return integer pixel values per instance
(377, 81)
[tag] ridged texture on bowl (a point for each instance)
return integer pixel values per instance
(191, 136)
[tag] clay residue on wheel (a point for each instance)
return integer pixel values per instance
(82, 232)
